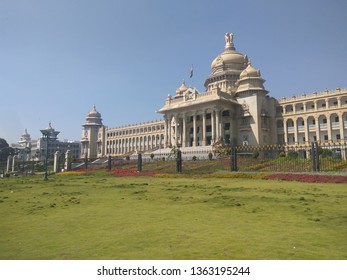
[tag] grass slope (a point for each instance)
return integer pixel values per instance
(105, 217)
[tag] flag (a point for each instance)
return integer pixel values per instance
(191, 72)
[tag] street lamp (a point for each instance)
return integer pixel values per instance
(47, 133)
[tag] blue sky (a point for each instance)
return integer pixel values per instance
(60, 57)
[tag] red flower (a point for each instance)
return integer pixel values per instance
(308, 178)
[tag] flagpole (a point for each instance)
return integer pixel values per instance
(191, 75)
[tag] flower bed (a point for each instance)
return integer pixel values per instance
(308, 178)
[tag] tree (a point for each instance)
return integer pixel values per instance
(220, 149)
(5, 150)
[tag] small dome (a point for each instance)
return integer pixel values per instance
(182, 88)
(94, 113)
(250, 72)
(25, 134)
(93, 117)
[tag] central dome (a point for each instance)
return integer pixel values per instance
(229, 59)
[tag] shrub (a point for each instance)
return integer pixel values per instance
(255, 154)
(127, 158)
(326, 153)
(292, 155)
(282, 154)
(210, 156)
(194, 158)
(152, 156)
(336, 155)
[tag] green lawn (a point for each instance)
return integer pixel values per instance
(106, 217)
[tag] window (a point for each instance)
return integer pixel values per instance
(324, 120)
(226, 126)
(245, 121)
(337, 119)
(325, 137)
(338, 137)
(208, 128)
(226, 113)
(208, 116)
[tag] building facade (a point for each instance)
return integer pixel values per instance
(29, 149)
(320, 117)
(234, 108)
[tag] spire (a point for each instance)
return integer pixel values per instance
(229, 44)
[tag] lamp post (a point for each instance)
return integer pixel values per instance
(47, 134)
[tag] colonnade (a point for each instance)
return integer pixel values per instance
(324, 127)
(133, 144)
(198, 128)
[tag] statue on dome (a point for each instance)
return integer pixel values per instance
(229, 38)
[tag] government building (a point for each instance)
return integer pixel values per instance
(235, 109)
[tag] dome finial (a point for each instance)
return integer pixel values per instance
(229, 44)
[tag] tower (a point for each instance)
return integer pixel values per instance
(90, 134)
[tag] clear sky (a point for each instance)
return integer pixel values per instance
(60, 57)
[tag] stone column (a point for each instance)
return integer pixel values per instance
(329, 127)
(204, 128)
(217, 125)
(341, 125)
(213, 133)
(296, 131)
(306, 130)
(165, 132)
(67, 166)
(176, 132)
(317, 127)
(285, 131)
(14, 159)
(304, 104)
(9, 162)
(56, 162)
(326, 104)
(184, 131)
(194, 130)
(170, 131)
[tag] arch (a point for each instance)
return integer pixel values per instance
(290, 122)
(299, 107)
(289, 108)
(279, 124)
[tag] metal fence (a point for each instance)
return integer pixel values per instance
(272, 158)
(312, 157)
(279, 158)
